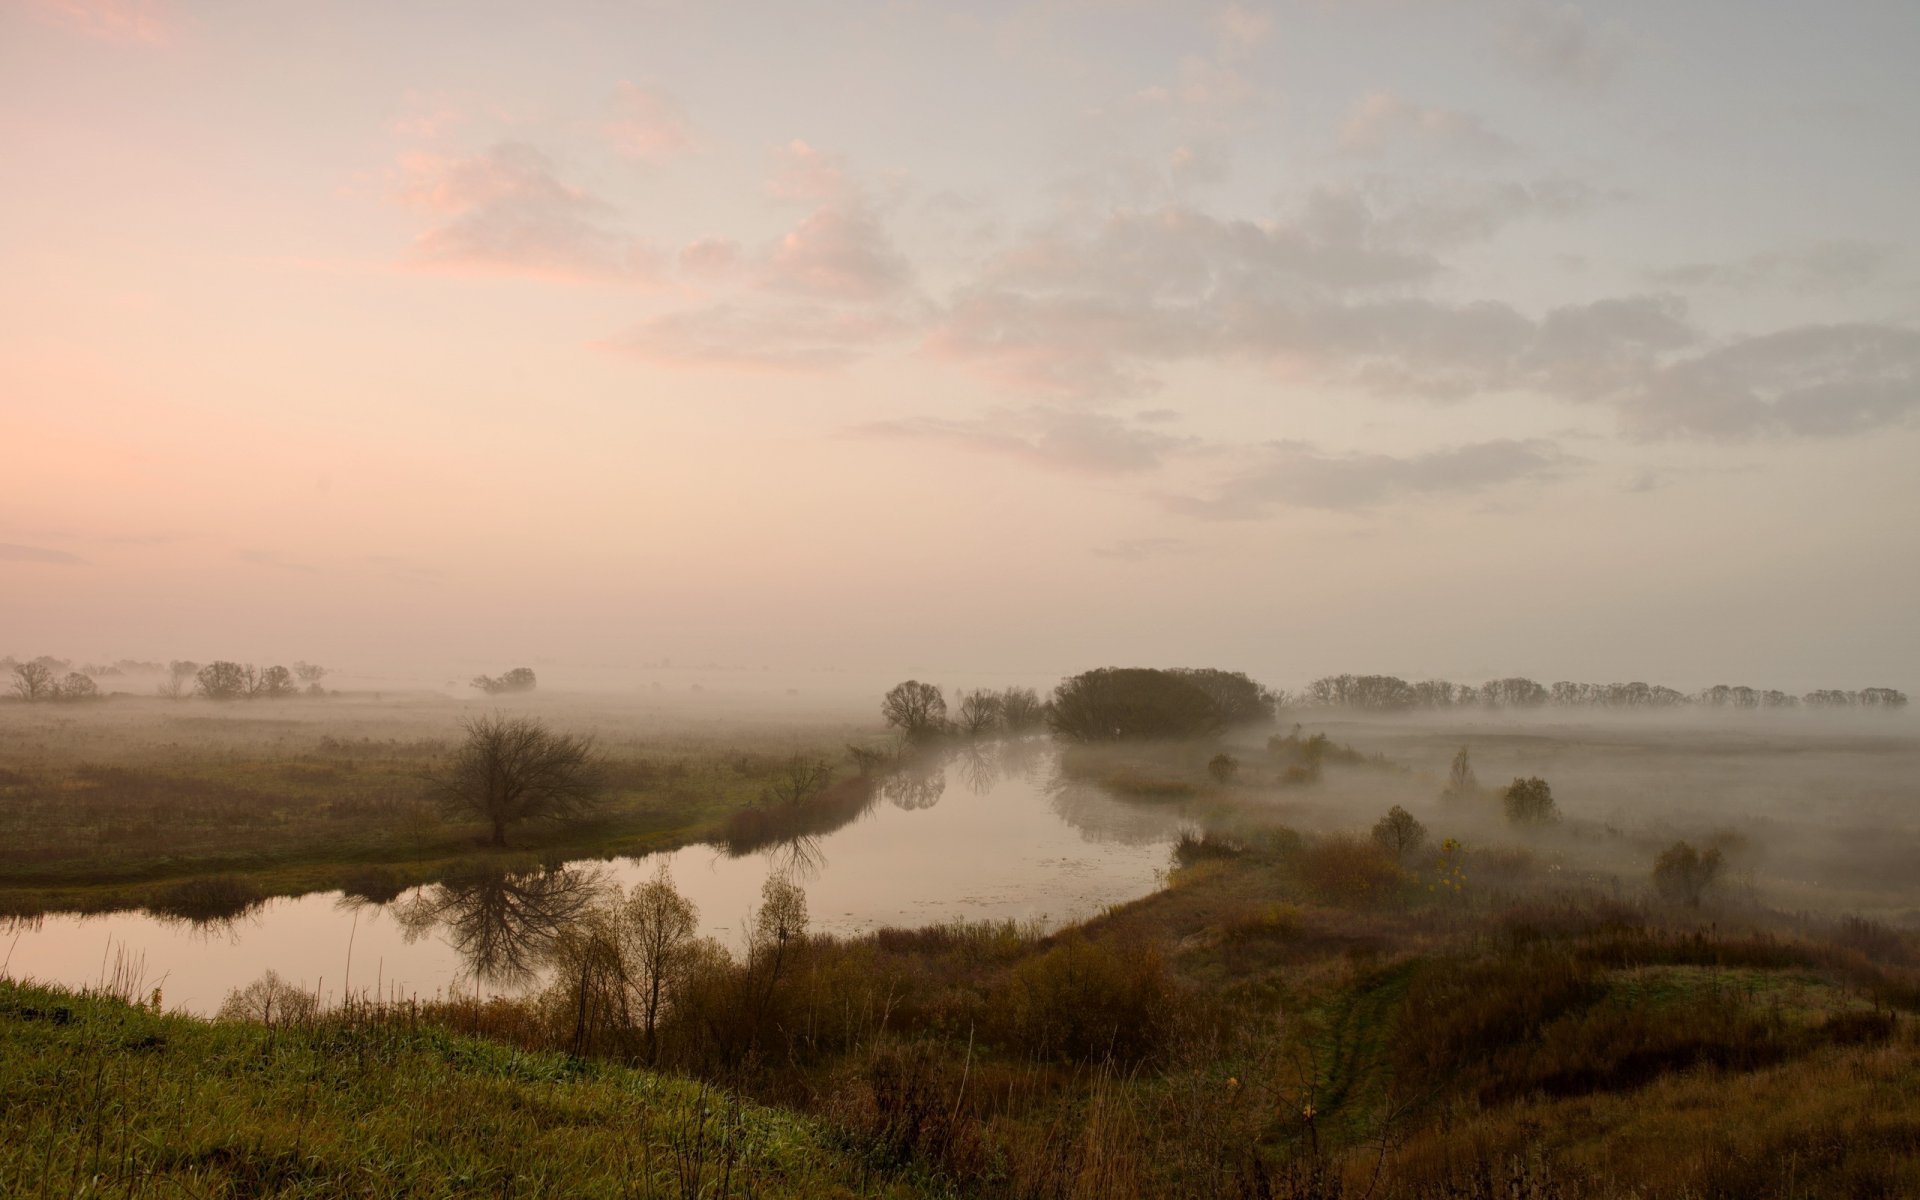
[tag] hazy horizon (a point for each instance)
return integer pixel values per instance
(1461, 339)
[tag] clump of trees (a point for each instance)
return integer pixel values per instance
(520, 679)
(1529, 801)
(511, 770)
(919, 710)
(1128, 703)
(38, 680)
(1683, 875)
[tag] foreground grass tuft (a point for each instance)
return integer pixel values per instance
(102, 1097)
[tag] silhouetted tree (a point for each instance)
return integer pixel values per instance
(1021, 709)
(223, 680)
(309, 673)
(520, 679)
(1399, 833)
(1513, 692)
(1223, 768)
(799, 780)
(33, 681)
(179, 675)
(1119, 703)
(77, 686)
(276, 683)
(1529, 802)
(979, 712)
(1461, 782)
(1237, 699)
(916, 709)
(515, 769)
(658, 926)
(1683, 874)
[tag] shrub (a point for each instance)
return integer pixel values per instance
(1089, 1001)
(1123, 703)
(1530, 802)
(1399, 833)
(1348, 872)
(1683, 874)
(1223, 768)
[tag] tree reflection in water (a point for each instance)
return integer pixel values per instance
(502, 924)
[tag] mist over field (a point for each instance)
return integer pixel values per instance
(1275, 599)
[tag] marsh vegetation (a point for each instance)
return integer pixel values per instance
(1675, 955)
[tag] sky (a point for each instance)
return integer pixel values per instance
(1455, 338)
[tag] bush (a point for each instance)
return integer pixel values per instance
(1530, 802)
(1126, 703)
(1352, 873)
(1089, 1001)
(1683, 874)
(520, 679)
(1399, 833)
(1223, 768)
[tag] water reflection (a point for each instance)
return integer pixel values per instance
(502, 924)
(918, 783)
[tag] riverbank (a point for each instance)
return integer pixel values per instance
(138, 803)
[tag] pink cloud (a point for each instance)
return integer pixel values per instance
(807, 175)
(505, 210)
(837, 253)
(111, 20)
(648, 125)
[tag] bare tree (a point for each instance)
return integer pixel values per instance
(32, 681)
(223, 680)
(309, 673)
(514, 769)
(658, 929)
(1021, 709)
(979, 712)
(917, 709)
(799, 781)
(178, 682)
(77, 686)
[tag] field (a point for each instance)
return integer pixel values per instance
(1473, 1007)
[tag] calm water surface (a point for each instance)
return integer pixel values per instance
(990, 832)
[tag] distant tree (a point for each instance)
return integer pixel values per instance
(1877, 697)
(179, 678)
(916, 709)
(223, 680)
(309, 673)
(979, 712)
(1399, 833)
(1438, 693)
(1513, 692)
(1122, 703)
(1831, 698)
(1372, 693)
(276, 683)
(270, 1001)
(1021, 709)
(515, 769)
(1461, 782)
(800, 780)
(1223, 768)
(1530, 802)
(520, 679)
(77, 686)
(658, 928)
(1683, 874)
(1237, 699)
(33, 681)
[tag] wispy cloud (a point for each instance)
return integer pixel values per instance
(9, 552)
(1382, 122)
(144, 21)
(789, 337)
(648, 126)
(506, 210)
(1090, 443)
(1292, 474)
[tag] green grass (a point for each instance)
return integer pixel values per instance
(112, 808)
(102, 1098)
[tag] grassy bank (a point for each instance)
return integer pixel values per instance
(102, 1097)
(133, 803)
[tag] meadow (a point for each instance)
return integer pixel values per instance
(1468, 1001)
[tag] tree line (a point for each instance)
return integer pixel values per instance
(1390, 693)
(39, 679)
